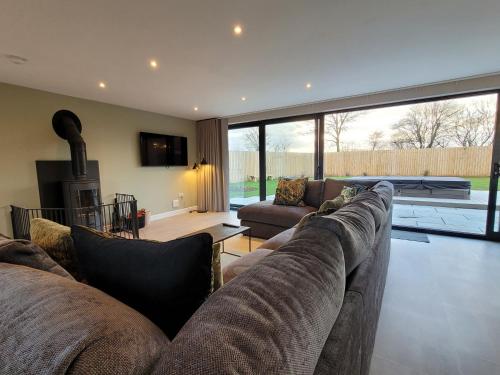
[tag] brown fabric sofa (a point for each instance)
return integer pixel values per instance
(267, 219)
(296, 311)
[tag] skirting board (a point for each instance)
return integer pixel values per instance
(164, 215)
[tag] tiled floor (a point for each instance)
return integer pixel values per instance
(441, 307)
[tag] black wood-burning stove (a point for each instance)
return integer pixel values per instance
(82, 196)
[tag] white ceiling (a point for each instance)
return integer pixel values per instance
(343, 48)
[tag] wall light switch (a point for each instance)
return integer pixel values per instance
(175, 203)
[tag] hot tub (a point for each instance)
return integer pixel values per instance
(423, 186)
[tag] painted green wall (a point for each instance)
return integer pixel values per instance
(111, 134)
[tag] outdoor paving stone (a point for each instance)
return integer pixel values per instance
(455, 219)
(404, 222)
(430, 219)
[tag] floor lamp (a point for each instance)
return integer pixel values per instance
(196, 167)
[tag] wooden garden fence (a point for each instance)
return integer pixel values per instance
(453, 161)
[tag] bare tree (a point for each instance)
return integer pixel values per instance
(475, 126)
(336, 124)
(426, 125)
(376, 139)
(252, 139)
(282, 144)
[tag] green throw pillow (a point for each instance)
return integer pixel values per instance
(331, 206)
(290, 192)
(349, 192)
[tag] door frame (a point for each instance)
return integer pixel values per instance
(491, 232)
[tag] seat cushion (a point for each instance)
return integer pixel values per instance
(278, 240)
(26, 253)
(165, 281)
(269, 213)
(54, 325)
(242, 264)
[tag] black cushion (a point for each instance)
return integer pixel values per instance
(165, 281)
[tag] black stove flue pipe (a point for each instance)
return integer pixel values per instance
(67, 125)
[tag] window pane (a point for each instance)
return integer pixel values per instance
(438, 154)
(289, 152)
(243, 166)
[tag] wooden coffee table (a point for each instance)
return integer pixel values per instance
(222, 232)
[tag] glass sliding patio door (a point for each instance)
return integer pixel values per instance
(244, 166)
(436, 153)
(290, 152)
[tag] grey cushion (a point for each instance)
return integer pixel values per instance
(342, 354)
(278, 240)
(373, 201)
(243, 263)
(355, 226)
(269, 213)
(272, 319)
(53, 325)
(26, 253)
(314, 193)
(386, 191)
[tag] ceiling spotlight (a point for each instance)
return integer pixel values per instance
(102, 85)
(195, 108)
(243, 98)
(308, 85)
(153, 64)
(237, 30)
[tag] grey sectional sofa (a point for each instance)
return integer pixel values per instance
(311, 307)
(267, 219)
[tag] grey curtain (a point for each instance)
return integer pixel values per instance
(213, 178)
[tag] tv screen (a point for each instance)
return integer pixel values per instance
(163, 150)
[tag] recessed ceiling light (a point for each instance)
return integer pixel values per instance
(237, 30)
(243, 98)
(308, 85)
(102, 85)
(195, 108)
(153, 64)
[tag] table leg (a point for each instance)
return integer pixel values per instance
(250, 240)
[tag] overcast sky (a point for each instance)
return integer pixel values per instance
(300, 138)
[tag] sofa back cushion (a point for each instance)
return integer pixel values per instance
(53, 325)
(165, 281)
(332, 188)
(273, 318)
(354, 225)
(314, 193)
(26, 253)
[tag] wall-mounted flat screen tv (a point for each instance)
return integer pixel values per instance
(163, 150)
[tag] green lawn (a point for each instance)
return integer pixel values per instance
(251, 188)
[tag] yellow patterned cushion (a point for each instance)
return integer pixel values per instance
(290, 192)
